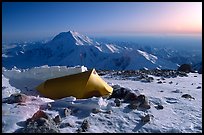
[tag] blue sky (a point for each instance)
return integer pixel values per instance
(29, 20)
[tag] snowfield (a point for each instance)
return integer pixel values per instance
(179, 115)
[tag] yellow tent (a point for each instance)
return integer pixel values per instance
(81, 85)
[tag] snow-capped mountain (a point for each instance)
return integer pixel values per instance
(71, 49)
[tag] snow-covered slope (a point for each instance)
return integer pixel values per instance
(71, 49)
(179, 115)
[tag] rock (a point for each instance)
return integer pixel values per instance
(177, 91)
(108, 112)
(185, 68)
(133, 105)
(145, 106)
(40, 114)
(17, 98)
(67, 112)
(130, 96)
(120, 92)
(146, 118)
(40, 126)
(170, 82)
(79, 130)
(199, 87)
(159, 82)
(143, 100)
(150, 79)
(182, 74)
(40, 123)
(96, 110)
(187, 96)
(85, 125)
(117, 102)
(57, 119)
(3, 87)
(162, 78)
(161, 91)
(158, 107)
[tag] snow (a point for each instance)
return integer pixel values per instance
(149, 57)
(179, 115)
(72, 48)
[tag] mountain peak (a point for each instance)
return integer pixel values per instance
(73, 37)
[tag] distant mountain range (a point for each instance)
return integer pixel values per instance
(71, 49)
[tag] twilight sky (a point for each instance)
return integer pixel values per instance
(30, 20)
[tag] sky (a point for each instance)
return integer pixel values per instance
(33, 20)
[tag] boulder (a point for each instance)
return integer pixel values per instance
(187, 96)
(16, 98)
(185, 68)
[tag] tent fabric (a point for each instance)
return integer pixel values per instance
(82, 85)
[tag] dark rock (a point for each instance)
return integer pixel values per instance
(159, 107)
(96, 110)
(3, 87)
(133, 105)
(141, 99)
(150, 79)
(162, 78)
(119, 92)
(57, 119)
(117, 102)
(144, 106)
(40, 126)
(40, 123)
(177, 91)
(161, 91)
(159, 82)
(130, 96)
(40, 114)
(67, 112)
(187, 96)
(108, 112)
(146, 118)
(185, 68)
(170, 82)
(143, 102)
(79, 130)
(16, 98)
(199, 87)
(85, 125)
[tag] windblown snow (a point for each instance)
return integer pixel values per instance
(179, 115)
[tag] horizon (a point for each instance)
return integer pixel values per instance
(37, 20)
